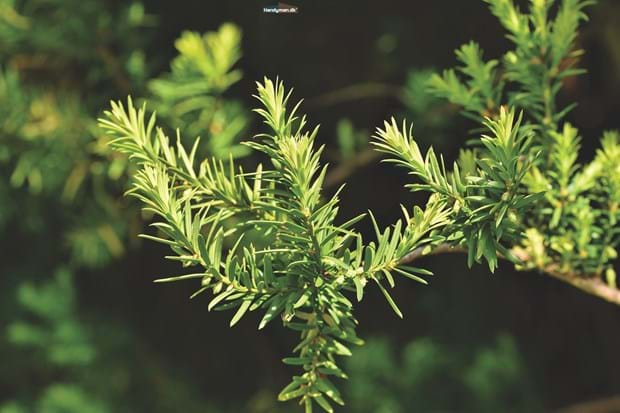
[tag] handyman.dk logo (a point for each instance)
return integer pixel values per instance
(281, 8)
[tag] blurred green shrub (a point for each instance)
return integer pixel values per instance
(427, 376)
(59, 398)
(190, 96)
(60, 60)
(53, 330)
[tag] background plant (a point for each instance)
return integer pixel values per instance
(54, 153)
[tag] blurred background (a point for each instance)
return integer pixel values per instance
(84, 329)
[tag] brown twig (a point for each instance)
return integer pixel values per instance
(606, 405)
(419, 252)
(591, 284)
(356, 92)
(348, 167)
(114, 69)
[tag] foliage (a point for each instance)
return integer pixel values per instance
(427, 375)
(62, 196)
(51, 330)
(47, 124)
(190, 97)
(571, 228)
(57, 334)
(350, 141)
(68, 37)
(484, 203)
(489, 379)
(311, 261)
(60, 398)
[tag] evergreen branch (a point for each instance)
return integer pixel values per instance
(591, 284)
(480, 201)
(570, 231)
(309, 264)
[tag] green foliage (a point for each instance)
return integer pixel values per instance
(61, 193)
(478, 93)
(204, 65)
(571, 228)
(55, 332)
(47, 124)
(62, 185)
(62, 36)
(190, 97)
(268, 240)
(483, 205)
(43, 128)
(429, 376)
(49, 142)
(528, 77)
(350, 141)
(59, 398)
(51, 331)
(311, 261)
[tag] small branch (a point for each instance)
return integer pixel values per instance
(606, 405)
(440, 249)
(356, 92)
(348, 167)
(591, 284)
(114, 68)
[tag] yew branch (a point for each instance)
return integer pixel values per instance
(588, 283)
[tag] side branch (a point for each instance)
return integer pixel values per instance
(419, 252)
(590, 284)
(339, 174)
(606, 405)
